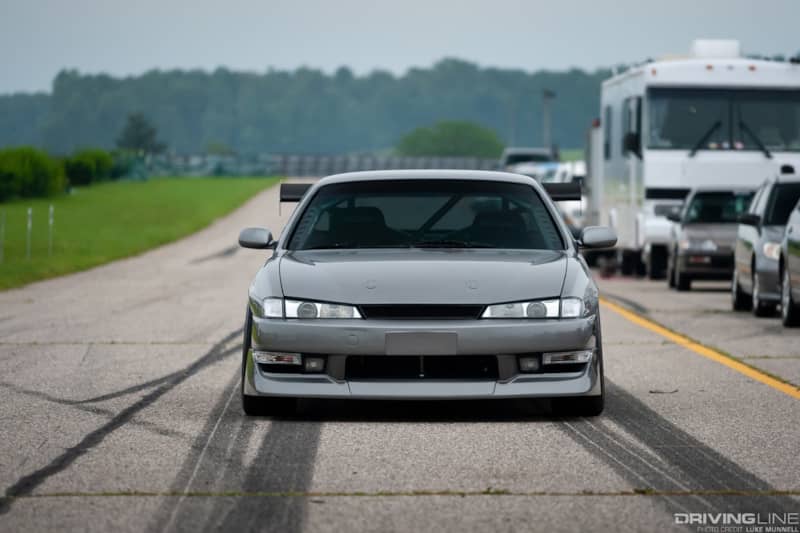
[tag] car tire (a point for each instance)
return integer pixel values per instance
(740, 301)
(640, 269)
(682, 281)
(274, 407)
(585, 406)
(261, 405)
(656, 264)
(790, 313)
(626, 267)
(760, 307)
(589, 406)
(670, 274)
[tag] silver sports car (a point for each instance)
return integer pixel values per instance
(424, 285)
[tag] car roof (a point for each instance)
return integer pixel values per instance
(472, 175)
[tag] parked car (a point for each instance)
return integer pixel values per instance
(552, 172)
(756, 281)
(789, 268)
(703, 234)
(515, 155)
(424, 285)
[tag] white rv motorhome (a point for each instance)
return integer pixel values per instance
(712, 119)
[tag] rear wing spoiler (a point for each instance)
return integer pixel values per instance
(558, 192)
(294, 192)
(563, 192)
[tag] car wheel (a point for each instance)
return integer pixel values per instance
(670, 274)
(640, 269)
(260, 405)
(589, 406)
(626, 263)
(585, 405)
(656, 266)
(268, 406)
(739, 300)
(760, 307)
(682, 281)
(790, 314)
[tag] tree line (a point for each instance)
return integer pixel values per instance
(304, 110)
(28, 172)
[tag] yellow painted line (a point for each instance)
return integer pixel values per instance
(705, 351)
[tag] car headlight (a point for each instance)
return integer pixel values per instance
(275, 307)
(555, 308)
(267, 308)
(304, 309)
(706, 245)
(772, 250)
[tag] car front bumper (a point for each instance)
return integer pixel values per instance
(706, 265)
(769, 281)
(338, 340)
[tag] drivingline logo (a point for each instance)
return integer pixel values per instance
(741, 522)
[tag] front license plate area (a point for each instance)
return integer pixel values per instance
(421, 343)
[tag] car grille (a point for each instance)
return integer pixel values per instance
(410, 312)
(419, 367)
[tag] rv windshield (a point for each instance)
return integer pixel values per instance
(717, 207)
(717, 119)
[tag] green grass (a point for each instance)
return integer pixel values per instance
(101, 223)
(571, 154)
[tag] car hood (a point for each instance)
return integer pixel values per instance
(723, 235)
(422, 276)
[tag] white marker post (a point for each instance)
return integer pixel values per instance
(50, 232)
(2, 235)
(28, 238)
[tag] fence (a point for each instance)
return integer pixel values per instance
(28, 232)
(303, 165)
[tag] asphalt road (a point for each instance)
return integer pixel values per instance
(119, 410)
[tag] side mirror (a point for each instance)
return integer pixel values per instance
(673, 217)
(257, 238)
(631, 143)
(598, 237)
(750, 219)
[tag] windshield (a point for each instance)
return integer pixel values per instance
(717, 119)
(426, 214)
(550, 176)
(717, 207)
(513, 159)
(782, 200)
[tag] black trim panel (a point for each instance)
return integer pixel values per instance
(663, 193)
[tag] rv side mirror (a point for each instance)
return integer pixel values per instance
(632, 143)
(750, 219)
(672, 216)
(598, 237)
(256, 238)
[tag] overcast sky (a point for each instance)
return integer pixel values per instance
(40, 37)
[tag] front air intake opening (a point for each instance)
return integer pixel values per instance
(421, 367)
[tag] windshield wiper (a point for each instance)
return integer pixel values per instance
(702, 140)
(332, 246)
(450, 243)
(352, 245)
(756, 139)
